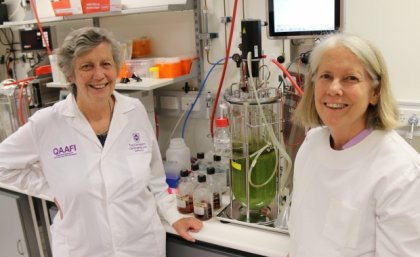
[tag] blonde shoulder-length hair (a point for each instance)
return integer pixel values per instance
(383, 115)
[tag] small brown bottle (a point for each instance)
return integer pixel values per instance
(215, 187)
(184, 198)
(203, 200)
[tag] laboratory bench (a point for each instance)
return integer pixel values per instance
(229, 239)
(216, 238)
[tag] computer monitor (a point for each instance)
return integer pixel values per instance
(302, 18)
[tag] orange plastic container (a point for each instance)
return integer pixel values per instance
(140, 66)
(125, 72)
(186, 63)
(141, 47)
(169, 67)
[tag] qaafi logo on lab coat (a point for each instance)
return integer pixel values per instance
(137, 143)
(64, 151)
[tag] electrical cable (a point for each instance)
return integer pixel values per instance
(47, 45)
(14, 11)
(22, 83)
(224, 13)
(200, 90)
(176, 125)
(288, 68)
(11, 55)
(207, 50)
(7, 43)
(224, 68)
(285, 71)
(20, 107)
(157, 126)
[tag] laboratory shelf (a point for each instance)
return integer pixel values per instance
(150, 84)
(189, 5)
(8, 24)
(145, 84)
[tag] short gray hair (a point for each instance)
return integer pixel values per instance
(80, 41)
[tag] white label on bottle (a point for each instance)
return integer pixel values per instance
(200, 208)
(181, 201)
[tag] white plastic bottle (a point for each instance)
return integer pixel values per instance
(184, 198)
(179, 152)
(221, 139)
(203, 200)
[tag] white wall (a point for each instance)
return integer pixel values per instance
(395, 27)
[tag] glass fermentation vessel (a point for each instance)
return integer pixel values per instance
(255, 167)
(14, 109)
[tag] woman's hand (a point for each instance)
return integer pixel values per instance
(183, 225)
(60, 211)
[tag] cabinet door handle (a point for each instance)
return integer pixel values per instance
(19, 247)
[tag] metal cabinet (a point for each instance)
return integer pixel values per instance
(17, 235)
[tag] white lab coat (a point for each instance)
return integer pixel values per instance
(362, 201)
(108, 194)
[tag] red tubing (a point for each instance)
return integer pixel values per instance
(224, 68)
(295, 85)
(40, 27)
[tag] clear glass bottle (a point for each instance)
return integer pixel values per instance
(201, 161)
(221, 139)
(203, 200)
(184, 198)
(222, 171)
(194, 173)
(215, 187)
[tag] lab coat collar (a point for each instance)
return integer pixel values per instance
(80, 123)
(119, 119)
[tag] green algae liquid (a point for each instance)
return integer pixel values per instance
(259, 196)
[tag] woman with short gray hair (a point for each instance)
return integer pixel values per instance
(99, 159)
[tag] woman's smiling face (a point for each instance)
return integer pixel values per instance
(95, 74)
(343, 91)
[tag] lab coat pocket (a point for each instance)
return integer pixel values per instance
(59, 244)
(342, 224)
(139, 165)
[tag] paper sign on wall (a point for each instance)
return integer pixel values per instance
(66, 7)
(92, 6)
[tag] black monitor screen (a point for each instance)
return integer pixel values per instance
(302, 18)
